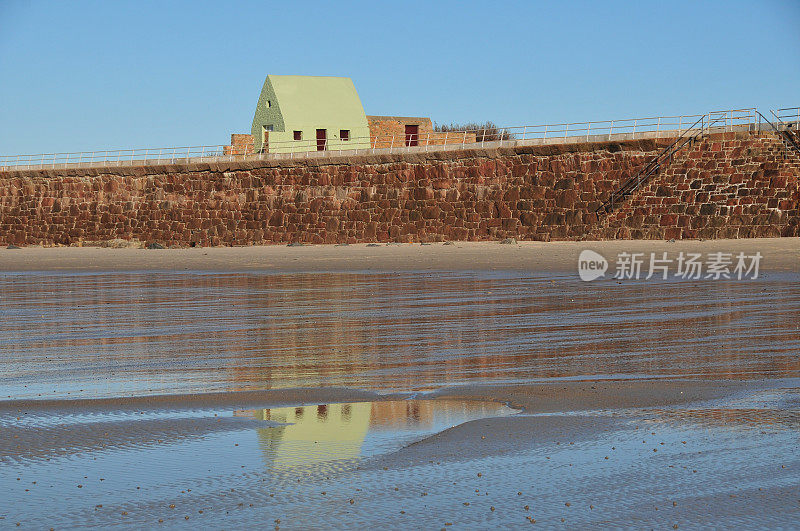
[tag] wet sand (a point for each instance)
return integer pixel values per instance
(595, 453)
(222, 387)
(549, 397)
(121, 334)
(780, 254)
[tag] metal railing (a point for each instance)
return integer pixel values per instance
(790, 115)
(707, 123)
(427, 141)
(787, 126)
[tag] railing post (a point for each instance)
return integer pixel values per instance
(464, 141)
(445, 140)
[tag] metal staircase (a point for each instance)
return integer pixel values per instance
(687, 138)
(742, 119)
(787, 126)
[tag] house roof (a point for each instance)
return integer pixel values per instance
(317, 100)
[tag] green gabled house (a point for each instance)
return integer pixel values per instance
(304, 113)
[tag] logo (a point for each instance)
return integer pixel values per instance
(687, 266)
(591, 265)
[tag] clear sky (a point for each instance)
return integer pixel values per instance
(83, 75)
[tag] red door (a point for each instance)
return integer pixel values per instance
(412, 135)
(322, 139)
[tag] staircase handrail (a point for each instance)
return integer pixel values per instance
(636, 181)
(781, 129)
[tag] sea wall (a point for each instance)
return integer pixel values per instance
(725, 186)
(728, 185)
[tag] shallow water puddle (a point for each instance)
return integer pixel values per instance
(310, 467)
(141, 462)
(305, 435)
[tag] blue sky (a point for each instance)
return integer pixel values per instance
(84, 75)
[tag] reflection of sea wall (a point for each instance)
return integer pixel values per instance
(749, 418)
(315, 340)
(389, 331)
(410, 332)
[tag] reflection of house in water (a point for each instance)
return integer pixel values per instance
(313, 434)
(307, 435)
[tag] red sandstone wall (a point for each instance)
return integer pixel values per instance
(543, 192)
(726, 186)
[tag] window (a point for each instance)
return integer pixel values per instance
(268, 127)
(269, 103)
(344, 134)
(298, 135)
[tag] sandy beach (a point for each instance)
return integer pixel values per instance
(530, 467)
(780, 254)
(469, 385)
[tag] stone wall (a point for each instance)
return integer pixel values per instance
(732, 185)
(532, 192)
